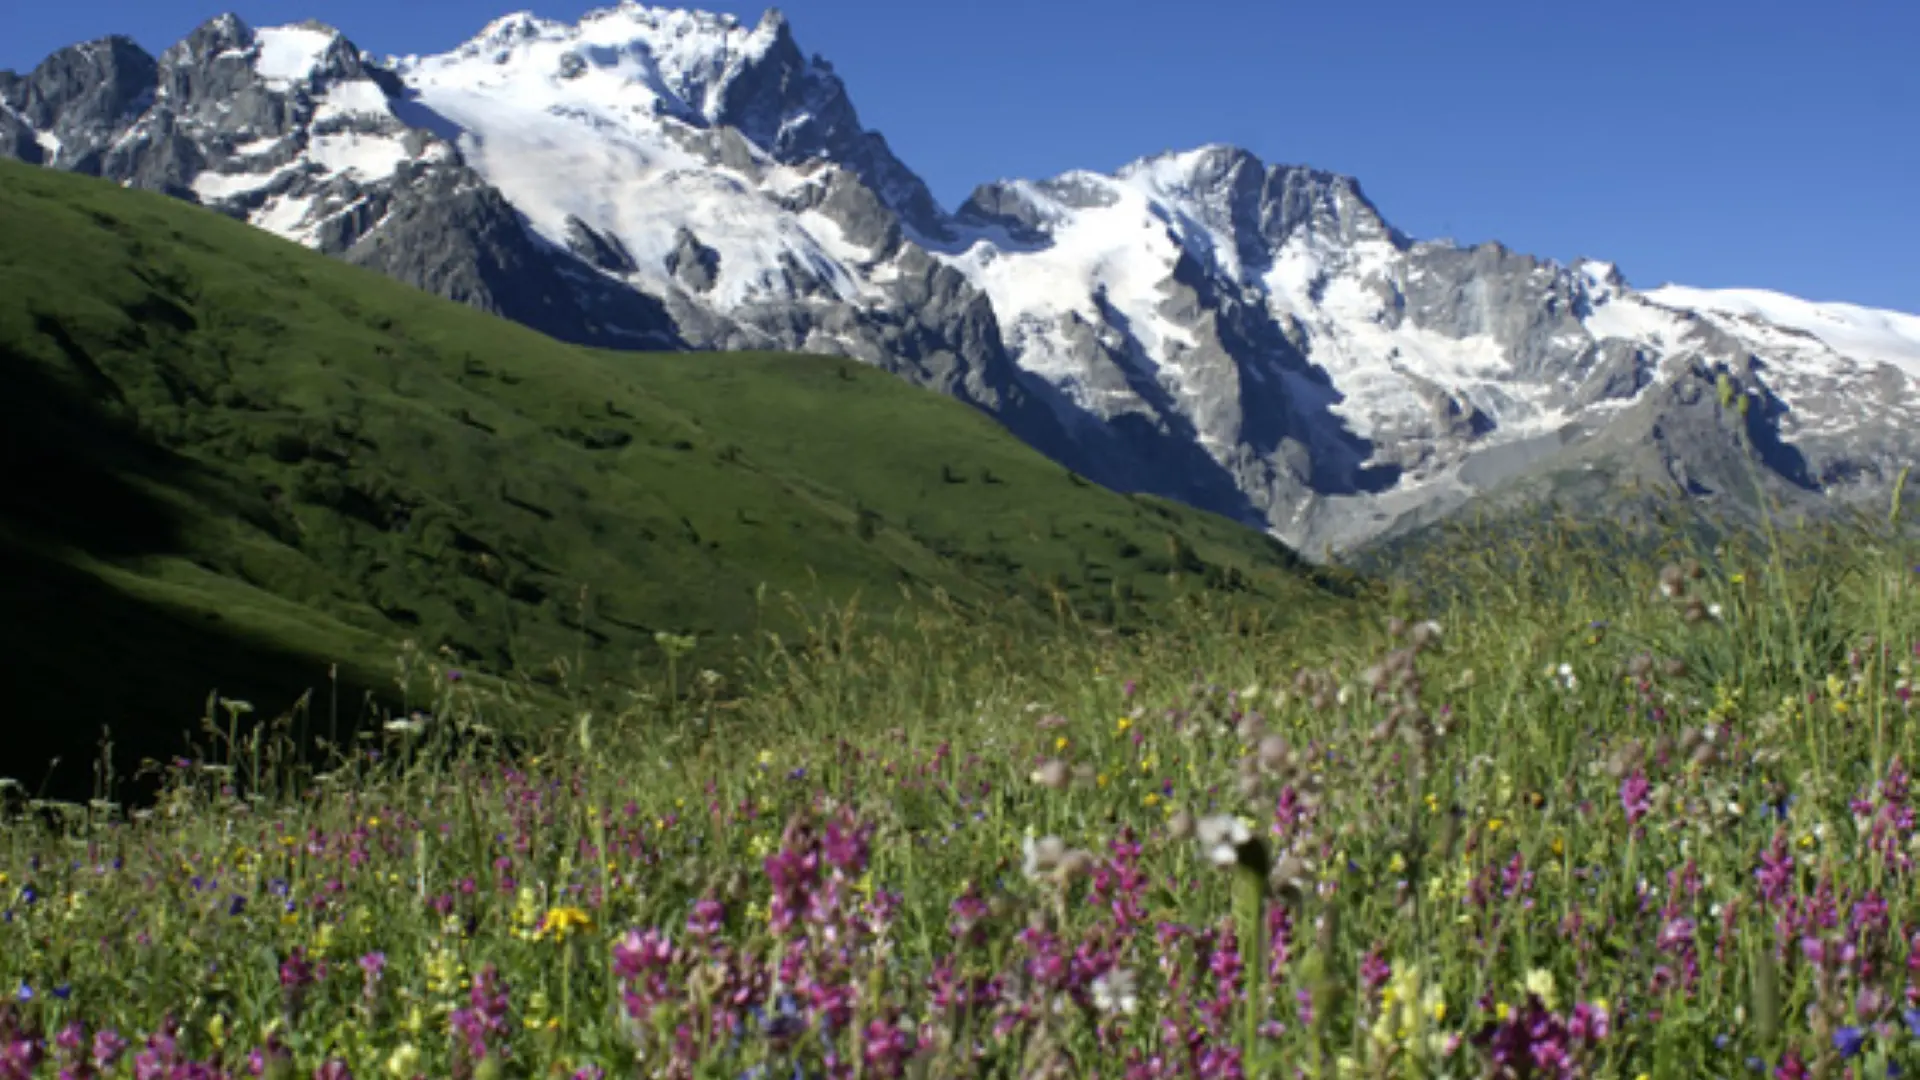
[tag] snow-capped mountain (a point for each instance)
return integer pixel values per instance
(1250, 338)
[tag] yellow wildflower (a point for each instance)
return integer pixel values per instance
(404, 1061)
(1121, 725)
(1060, 743)
(1151, 798)
(562, 921)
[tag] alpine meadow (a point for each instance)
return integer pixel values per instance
(904, 675)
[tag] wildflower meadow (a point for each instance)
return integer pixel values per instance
(1546, 811)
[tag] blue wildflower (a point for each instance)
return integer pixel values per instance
(1849, 1040)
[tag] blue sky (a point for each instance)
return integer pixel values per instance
(1754, 143)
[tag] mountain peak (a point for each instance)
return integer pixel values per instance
(224, 31)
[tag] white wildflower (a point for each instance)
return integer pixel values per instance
(1116, 992)
(1221, 836)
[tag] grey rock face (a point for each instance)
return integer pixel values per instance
(798, 110)
(600, 250)
(18, 139)
(694, 264)
(446, 231)
(80, 96)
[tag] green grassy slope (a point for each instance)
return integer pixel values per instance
(234, 462)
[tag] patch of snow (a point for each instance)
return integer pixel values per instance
(288, 54)
(625, 180)
(256, 147)
(1869, 334)
(49, 143)
(1120, 252)
(354, 96)
(629, 58)
(285, 216)
(214, 186)
(581, 121)
(1627, 315)
(369, 157)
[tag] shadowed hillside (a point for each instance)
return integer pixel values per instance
(239, 462)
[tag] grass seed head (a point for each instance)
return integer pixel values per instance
(1053, 774)
(1181, 825)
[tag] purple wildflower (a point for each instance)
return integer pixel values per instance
(1635, 796)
